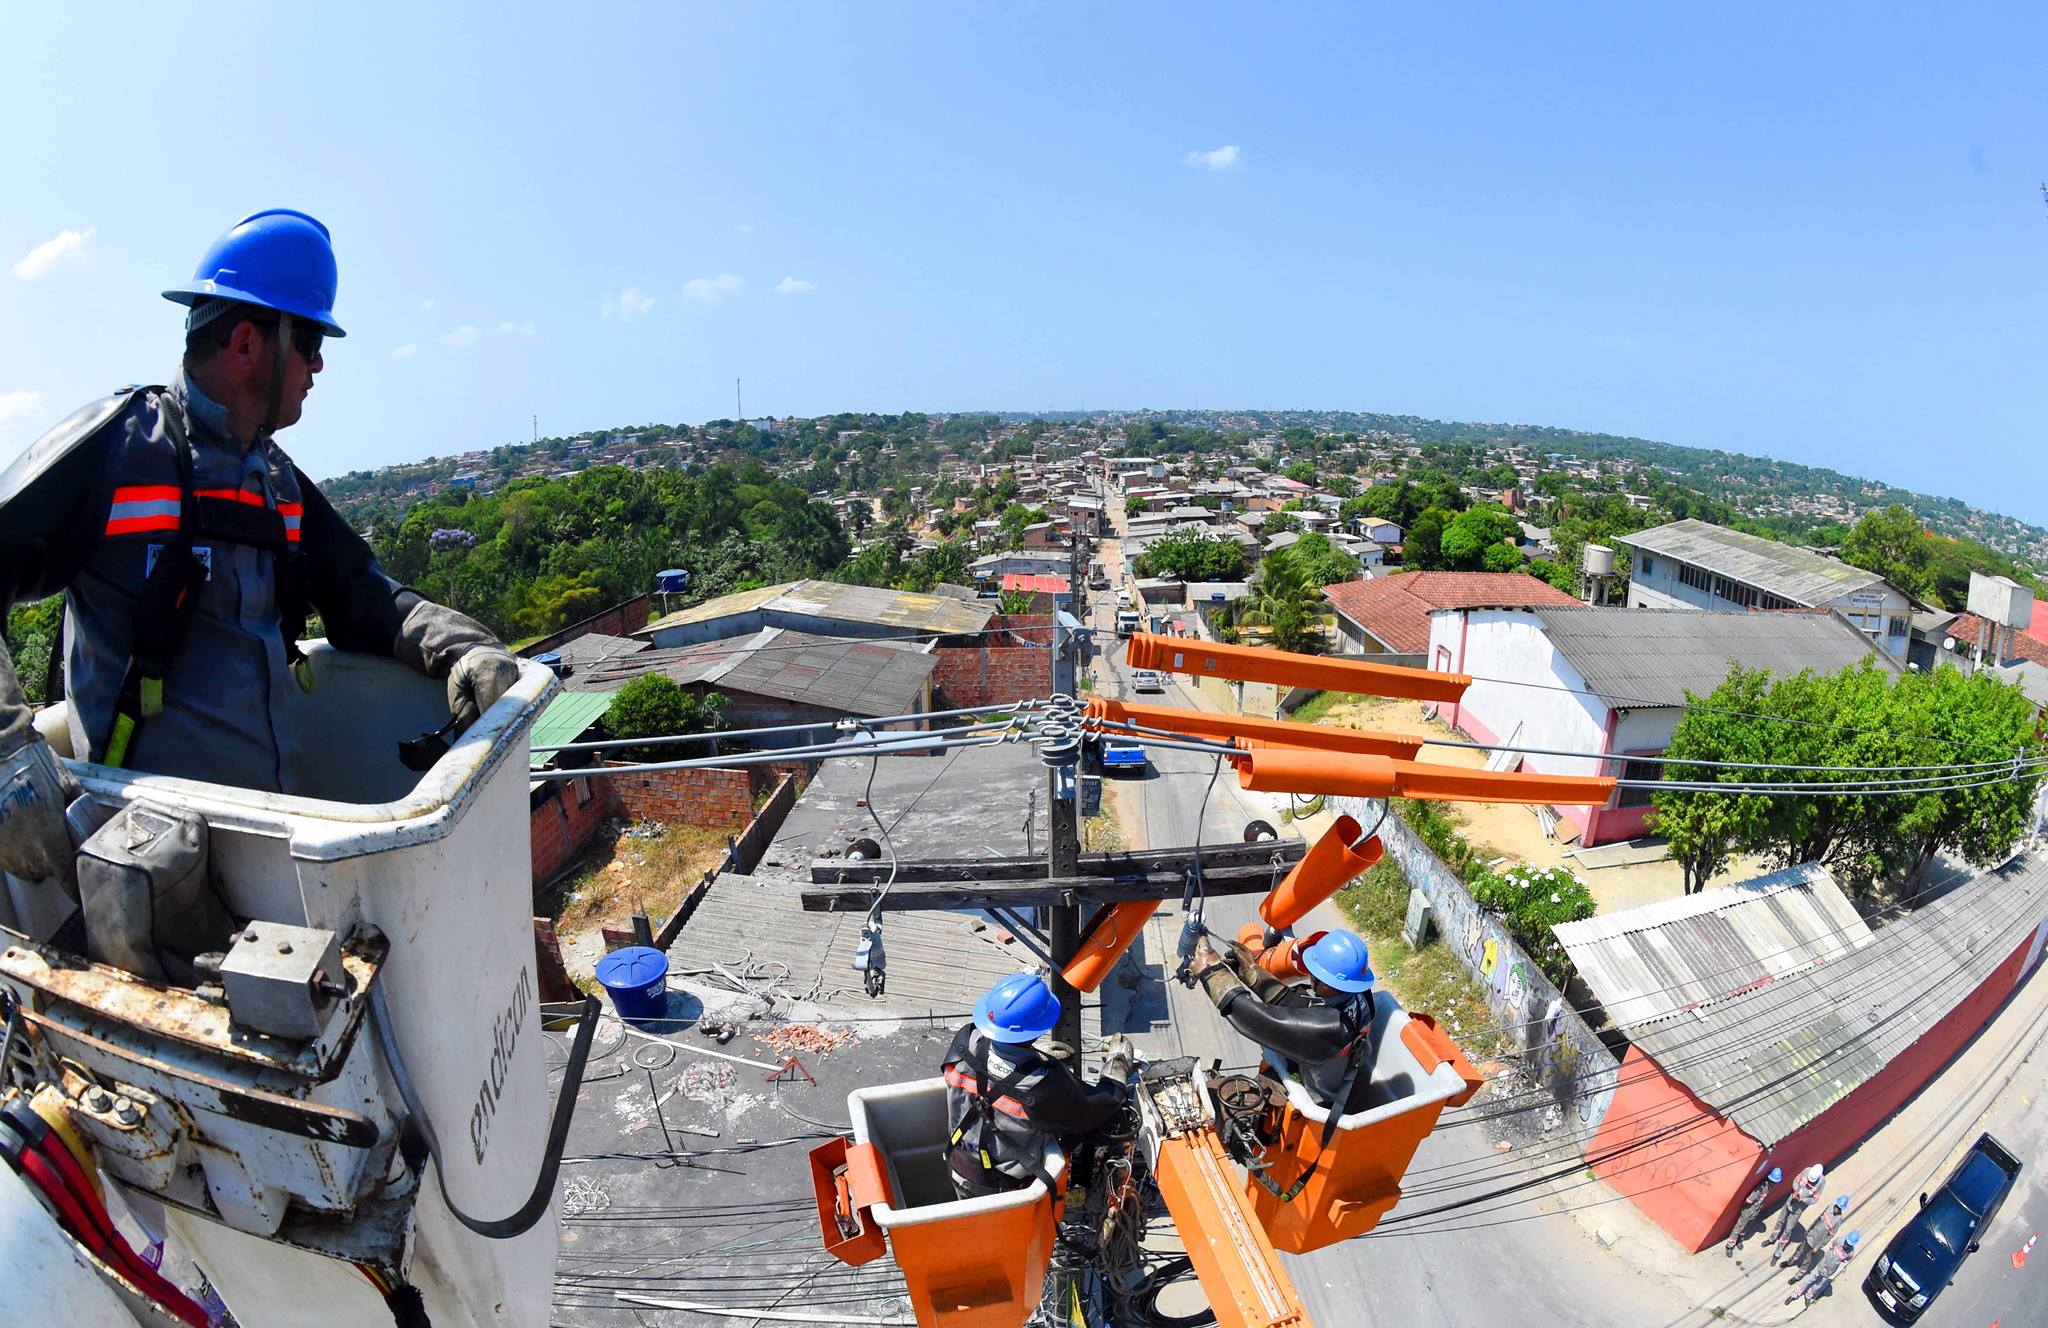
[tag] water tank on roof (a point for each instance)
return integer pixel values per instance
(1599, 560)
(672, 581)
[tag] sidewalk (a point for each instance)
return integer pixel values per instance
(1885, 1174)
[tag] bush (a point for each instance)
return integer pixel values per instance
(1530, 901)
(1433, 826)
(655, 706)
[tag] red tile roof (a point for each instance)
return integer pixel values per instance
(1396, 609)
(1035, 582)
(1965, 628)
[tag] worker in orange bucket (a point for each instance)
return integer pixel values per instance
(1322, 1029)
(1005, 1098)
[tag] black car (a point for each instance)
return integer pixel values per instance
(1923, 1258)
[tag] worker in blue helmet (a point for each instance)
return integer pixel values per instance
(191, 552)
(1005, 1098)
(1752, 1208)
(1321, 1031)
(1822, 1276)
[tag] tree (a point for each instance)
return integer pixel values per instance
(1014, 518)
(1320, 562)
(32, 631)
(1301, 472)
(1894, 544)
(1014, 601)
(654, 705)
(1705, 829)
(1422, 541)
(1482, 538)
(1133, 505)
(1286, 604)
(1193, 557)
(1277, 523)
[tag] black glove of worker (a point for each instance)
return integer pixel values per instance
(35, 789)
(478, 679)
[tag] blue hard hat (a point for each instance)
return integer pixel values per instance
(276, 259)
(1841, 1203)
(1340, 960)
(1853, 1239)
(1020, 1008)
(1777, 1174)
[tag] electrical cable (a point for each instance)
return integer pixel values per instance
(522, 1218)
(914, 716)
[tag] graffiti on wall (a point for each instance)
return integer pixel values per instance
(1557, 1046)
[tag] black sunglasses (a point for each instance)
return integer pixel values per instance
(306, 337)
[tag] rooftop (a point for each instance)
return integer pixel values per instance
(1800, 575)
(834, 672)
(831, 599)
(1653, 657)
(1776, 1056)
(1035, 583)
(1396, 609)
(564, 720)
(1652, 962)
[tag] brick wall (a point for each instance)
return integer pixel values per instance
(1026, 627)
(620, 619)
(991, 675)
(569, 812)
(694, 797)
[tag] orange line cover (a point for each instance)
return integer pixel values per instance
(1258, 664)
(1285, 770)
(1201, 724)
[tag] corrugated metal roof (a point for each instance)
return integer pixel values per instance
(1650, 962)
(1777, 1056)
(1652, 657)
(565, 719)
(938, 614)
(1797, 574)
(859, 677)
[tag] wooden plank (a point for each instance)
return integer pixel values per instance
(837, 871)
(906, 896)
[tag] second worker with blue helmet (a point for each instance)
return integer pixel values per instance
(1320, 1031)
(1005, 1098)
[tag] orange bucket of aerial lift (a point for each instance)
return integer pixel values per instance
(1113, 930)
(967, 1263)
(1287, 669)
(1417, 1072)
(1331, 862)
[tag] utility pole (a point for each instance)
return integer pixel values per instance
(1063, 801)
(739, 410)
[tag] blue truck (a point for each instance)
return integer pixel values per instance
(1123, 756)
(1923, 1258)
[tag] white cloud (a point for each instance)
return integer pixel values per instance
(462, 336)
(427, 306)
(710, 290)
(1216, 159)
(19, 405)
(514, 329)
(794, 286)
(404, 352)
(67, 247)
(627, 305)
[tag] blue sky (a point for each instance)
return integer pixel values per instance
(1814, 234)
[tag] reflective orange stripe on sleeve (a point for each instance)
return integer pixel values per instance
(967, 1083)
(143, 508)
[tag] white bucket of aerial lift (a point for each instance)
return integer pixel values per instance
(1399, 1083)
(907, 1124)
(440, 864)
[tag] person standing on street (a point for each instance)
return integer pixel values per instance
(1804, 1244)
(1816, 1283)
(1805, 1190)
(1751, 1208)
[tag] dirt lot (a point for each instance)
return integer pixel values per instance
(1511, 831)
(643, 867)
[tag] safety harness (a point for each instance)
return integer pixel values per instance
(984, 1099)
(190, 516)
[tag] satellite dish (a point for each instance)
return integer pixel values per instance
(1259, 832)
(1948, 643)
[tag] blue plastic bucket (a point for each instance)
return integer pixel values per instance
(636, 978)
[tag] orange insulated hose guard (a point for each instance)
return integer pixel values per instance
(1110, 934)
(1257, 664)
(1201, 724)
(1330, 862)
(1281, 770)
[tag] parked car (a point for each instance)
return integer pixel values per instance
(1923, 1258)
(1123, 756)
(1148, 680)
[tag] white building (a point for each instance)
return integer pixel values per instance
(1696, 565)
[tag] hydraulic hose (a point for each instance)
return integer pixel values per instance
(503, 1228)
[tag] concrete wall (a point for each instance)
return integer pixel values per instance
(1557, 1049)
(565, 814)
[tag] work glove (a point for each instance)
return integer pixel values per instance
(478, 679)
(35, 843)
(1219, 980)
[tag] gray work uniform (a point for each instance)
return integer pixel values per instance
(91, 520)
